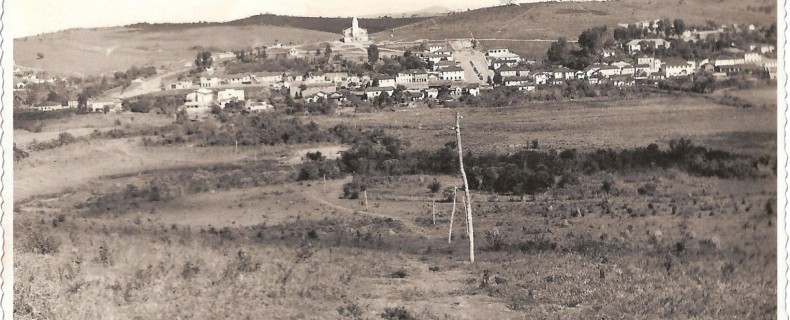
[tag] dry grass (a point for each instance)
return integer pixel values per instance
(658, 244)
(116, 49)
(580, 125)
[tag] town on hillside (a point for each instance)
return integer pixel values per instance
(530, 160)
(357, 73)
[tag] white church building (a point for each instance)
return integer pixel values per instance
(355, 33)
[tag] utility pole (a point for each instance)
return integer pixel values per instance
(452, 216)
(466, 188)
(433, 211)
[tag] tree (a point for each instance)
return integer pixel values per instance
(203, 60)
(679, 26)
(40, 55)
(317, 52)
(592, 40)
(327, 51)
(497, 78)
(558, 51)
(373, 54)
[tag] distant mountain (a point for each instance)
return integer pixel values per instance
(426, 12)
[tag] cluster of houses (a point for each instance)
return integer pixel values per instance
(622, 73)
(91, 106)
(23, 80)
(198, 103)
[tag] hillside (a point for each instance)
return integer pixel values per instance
(333, 25)
(112, 49)
(548, 21)
(105, 50)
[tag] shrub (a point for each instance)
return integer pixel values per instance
(568, 178)
(496, 240)
(350, 310)
(41, 243)
(398, 313)
(399, 274)
(352, 189)
(435, 186)
(20, 154)
(190, 269)
(647, 189)
(315, 156)
(606, 186)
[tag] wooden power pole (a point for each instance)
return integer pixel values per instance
(452, 216)
(466, 188)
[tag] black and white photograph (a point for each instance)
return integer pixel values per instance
(396, 160)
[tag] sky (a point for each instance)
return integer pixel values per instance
(31, 17)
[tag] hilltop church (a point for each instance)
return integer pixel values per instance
(355, 33)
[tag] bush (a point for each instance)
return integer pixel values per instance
(496, 240)
(399, 313)
(350, 310)
(435, 186)
(568, 178)
(19, 154)
(41, 243)
(352, 189)
(399, 274)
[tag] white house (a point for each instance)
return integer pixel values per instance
(752, 57)
(443, 64)
(515, 81)
(502, 62)
(412, 76)
(229, 95)
(431, 93)
(48, 107)
(316, 78)
(186, 84)
(209, 82)
(453, 73)
(374, 92)
(677, 68)
(293, 52)
(508, 71)
(199, 98)
(268, 77)
(541, 78)
(472, 89)
(259, 106)
(435, 47)
(337, 77)
(563, 73)
(236, 80)
(636, 44)
(608, 71)
(728, 60)
(387, 81)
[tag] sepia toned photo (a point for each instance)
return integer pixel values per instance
(434, 159)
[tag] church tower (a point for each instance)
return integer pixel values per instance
(354, 24)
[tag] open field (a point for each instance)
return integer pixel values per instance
(117, 49)
(579, 125)
(549, 21)
(82, 125)
(112, 227)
